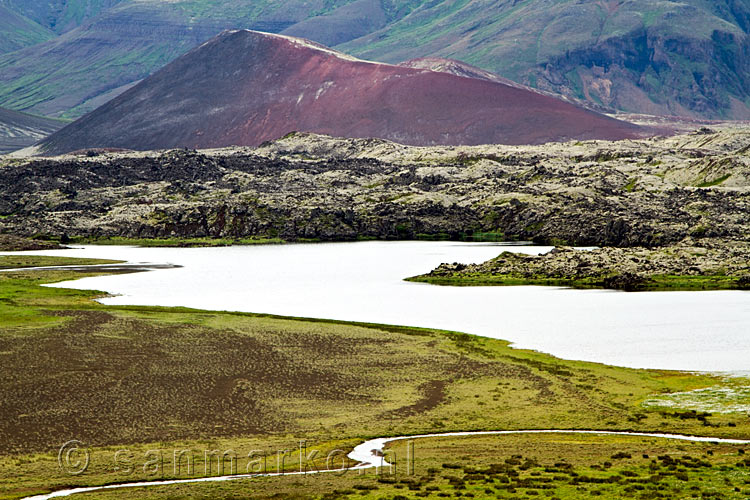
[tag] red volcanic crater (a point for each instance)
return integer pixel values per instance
(245, 87)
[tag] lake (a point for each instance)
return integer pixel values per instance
(363, 281)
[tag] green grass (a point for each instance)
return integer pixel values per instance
(23, 302)
(158, 378)
(432, 237)
(477, 236)
(714, 182)
(176, 242)
(679, 283)
(13, 261)
(489, 236)
(652, 284)
(494, 280)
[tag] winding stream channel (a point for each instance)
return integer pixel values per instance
(369, 454)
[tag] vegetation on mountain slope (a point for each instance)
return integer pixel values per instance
(60, 16)
(661, 57)
(352, 20)
(17, 31)
(75, 73)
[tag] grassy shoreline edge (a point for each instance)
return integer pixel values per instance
(662, 283)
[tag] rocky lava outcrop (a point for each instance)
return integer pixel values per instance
(689, 265)
(629, 193)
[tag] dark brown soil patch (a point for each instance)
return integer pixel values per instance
(433, 393)
(105, 378)
(10, 243)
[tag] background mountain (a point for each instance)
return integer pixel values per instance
(104, 56)
(245, 87)
(689, 58)
(59, 16)
(18, 130)
(17, 31)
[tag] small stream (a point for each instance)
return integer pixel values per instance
(369, 454)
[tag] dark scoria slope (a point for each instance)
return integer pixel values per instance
(18, 130)
(245, 87)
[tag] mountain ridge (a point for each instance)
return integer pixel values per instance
(689, 58)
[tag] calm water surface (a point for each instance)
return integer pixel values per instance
(364, 282)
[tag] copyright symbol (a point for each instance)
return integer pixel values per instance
(73, 458)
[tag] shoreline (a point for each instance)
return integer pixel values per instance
(329, 316)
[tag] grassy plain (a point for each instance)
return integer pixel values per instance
(152, 380)
(564, 466)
